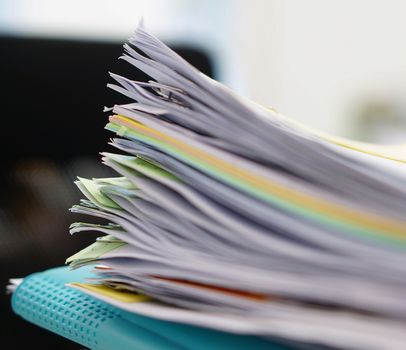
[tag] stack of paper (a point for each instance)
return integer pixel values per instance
(229, 216)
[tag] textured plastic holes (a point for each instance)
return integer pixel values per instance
(61, 309)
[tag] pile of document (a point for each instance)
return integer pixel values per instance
(228, 215)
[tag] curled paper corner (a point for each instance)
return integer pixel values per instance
(141, 23)
(107, 109)
(139, 27)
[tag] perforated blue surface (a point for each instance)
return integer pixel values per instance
(46, 302)
(43, 299)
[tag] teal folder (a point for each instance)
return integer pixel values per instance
(44, 299)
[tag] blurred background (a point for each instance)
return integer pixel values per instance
(338, 66)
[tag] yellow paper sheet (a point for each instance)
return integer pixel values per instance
(393, 227)
(120, 295)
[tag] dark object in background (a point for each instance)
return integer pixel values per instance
(53, 93)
